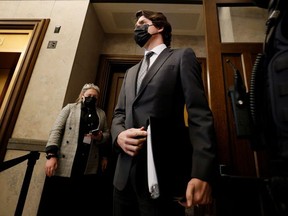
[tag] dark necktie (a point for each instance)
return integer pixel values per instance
(144, 69)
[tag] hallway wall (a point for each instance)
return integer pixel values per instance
(46, 91)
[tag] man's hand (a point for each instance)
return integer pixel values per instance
(131, 140)
(198, 192)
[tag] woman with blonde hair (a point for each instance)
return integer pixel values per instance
(76, 153)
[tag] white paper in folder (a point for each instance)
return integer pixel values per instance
(152, 175)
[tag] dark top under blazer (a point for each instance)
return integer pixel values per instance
(172, 81)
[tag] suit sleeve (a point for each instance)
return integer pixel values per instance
(200, 119)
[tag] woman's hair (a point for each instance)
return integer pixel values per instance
(85, 88)
(159, 20)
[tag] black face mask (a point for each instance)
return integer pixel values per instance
(90, 101)
(141, 35)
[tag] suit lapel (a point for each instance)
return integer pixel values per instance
(132, 80)
(155, 68)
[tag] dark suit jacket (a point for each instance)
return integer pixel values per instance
(179, 152)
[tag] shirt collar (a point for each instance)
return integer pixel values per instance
(158, 49)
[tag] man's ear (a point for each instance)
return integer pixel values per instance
(160, 30)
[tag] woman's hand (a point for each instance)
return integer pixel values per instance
(51, 166)
(97, 136)
(104, 163)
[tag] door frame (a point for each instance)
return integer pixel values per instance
(107, 66)
(12, 105)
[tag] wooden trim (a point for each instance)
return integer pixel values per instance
(104, 74)
(239, 47)
(149, 1)
(27, 144)
(13, 105)
(232, 3)
(214, 66)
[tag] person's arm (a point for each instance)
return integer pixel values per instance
(56, 133)
(51, 165)
(51, 150)
(125, 139)
(54, 141)
(200, 118)
(103, 138)
(201, 131)
(104, 129)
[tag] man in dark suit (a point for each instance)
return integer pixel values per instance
(184, 156)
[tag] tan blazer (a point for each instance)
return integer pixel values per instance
(64, 134)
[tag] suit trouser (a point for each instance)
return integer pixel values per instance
(135, 200)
